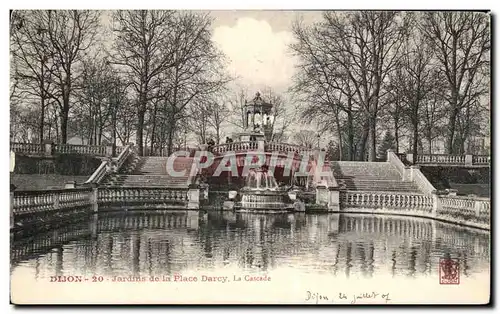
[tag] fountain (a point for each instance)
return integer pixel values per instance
(261, 192)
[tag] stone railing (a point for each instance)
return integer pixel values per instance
(472, 209)
(235, 147)
(131, 195)
(469, 211)
(49, 149)
(410, 173)
(453, 160)
(386, 200)
(287, 148)
(94, 150)
(480, 159)
(393, 159)
(29, 202)
(421, 180)
(110, 166)
(27, 148)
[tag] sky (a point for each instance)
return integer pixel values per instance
(256, 45)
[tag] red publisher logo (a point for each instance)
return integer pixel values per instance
(449, 271)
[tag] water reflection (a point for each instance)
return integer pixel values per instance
(167, 243)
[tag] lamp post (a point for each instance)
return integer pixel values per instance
(319, 136)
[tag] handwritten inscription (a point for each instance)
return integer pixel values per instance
(341, 297)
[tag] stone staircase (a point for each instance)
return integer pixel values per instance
(370, 176)
(151, 172)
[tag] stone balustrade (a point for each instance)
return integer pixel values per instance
(385, 200)
(452, 160)
(27, 148)
(480, 159)
(110, 166)
(95, 150)
(287, 148)
(235, 147)
(128, 195)
(29, 202)
(470, 211)
(464, 207)
(49, 149)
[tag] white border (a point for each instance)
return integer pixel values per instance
(186, 4)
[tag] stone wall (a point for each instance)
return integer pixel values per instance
(67, 164)
(25, 182)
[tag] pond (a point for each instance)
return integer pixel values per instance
(178, 246)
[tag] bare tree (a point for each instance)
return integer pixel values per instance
(33, 62)
(415, 78)
(306, 138)
(143, 50)
(70, 33)
(349, 54)
(461, 41)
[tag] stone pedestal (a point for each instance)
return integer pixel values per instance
(409, 157)
(260, 145)
(436, 204)
(109, 151)
(468, 160)
(48, 147)
(322, 197)
(334, 199)
(193, 198)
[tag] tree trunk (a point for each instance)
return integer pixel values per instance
(415, 139)
(64, 127)
(364, 139)
(337, 122)
(171, 131)
(140, 129)
(396, 134)
(153, 130)
(372, 141)
(351, 150)
(42, 119)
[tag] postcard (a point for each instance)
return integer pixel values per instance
(250, 157)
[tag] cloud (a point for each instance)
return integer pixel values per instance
(257, 55)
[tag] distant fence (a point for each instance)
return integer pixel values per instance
(451, 160)
(49, 149)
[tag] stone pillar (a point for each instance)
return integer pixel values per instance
(334, 199)
(48, 147)
(409, 157)
(109, 151)
(322, 195)
(194, 197)
(477, 207)
(468, 160)
(260, 145)
(11, 210)
(436, 203)
(94, 200)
